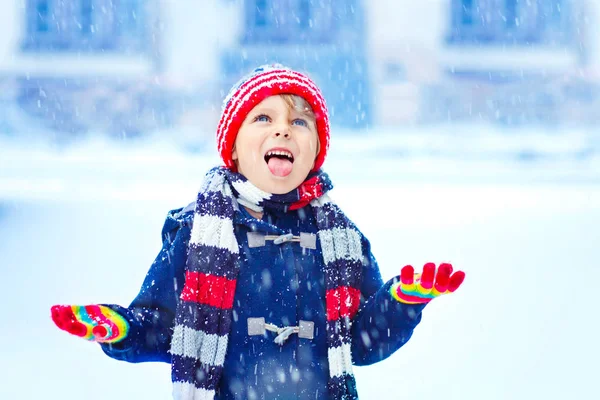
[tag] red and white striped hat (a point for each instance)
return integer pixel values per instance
(265, 81)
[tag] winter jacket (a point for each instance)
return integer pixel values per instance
(283, 283)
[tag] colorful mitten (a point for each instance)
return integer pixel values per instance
(422, 288)
(94, 322)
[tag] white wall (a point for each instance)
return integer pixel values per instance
(408, 31)
(10, 30)
(591, 27)
(15, 62)
(414, 32)
(194, 34)
(409, 34)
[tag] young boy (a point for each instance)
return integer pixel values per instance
(263, 288)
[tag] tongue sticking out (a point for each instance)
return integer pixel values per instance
(280, 166)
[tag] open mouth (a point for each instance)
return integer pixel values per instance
(279, 161)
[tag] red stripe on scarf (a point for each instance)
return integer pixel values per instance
(216, 291)
(342, 302)
(308, 191)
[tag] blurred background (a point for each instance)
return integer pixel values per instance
(462, 130)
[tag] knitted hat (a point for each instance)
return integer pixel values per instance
(265, 81)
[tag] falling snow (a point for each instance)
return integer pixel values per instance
(462, 130)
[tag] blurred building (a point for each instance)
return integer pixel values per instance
(127, 67)
(119, 67)
(326, 38)
(72, 66)
(498, 61)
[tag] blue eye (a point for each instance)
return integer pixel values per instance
(300, 122)
(262, 118)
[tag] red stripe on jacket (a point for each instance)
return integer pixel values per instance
(342, 302)
(216, 291)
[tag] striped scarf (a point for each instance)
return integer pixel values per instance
(203, 317)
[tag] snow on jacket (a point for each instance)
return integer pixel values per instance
(283, 283)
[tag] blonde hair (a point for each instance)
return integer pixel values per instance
(298, 104)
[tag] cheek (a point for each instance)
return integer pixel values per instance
(312, 144)
(248, 150)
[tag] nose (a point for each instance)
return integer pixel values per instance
(282, 130)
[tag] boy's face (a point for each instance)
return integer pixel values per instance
(276, 146)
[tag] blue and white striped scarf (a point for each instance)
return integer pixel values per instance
(203, 317)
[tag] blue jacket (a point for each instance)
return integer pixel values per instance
(283, 283)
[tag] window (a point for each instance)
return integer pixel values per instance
(508, 21)
(511, 18)
(466, 12)
(304, 14)
(86, 17)
(85, 25)
(260, 13)
(314, 21)
(42, 16)
(288, 21)
(394, 72)
(553, 12)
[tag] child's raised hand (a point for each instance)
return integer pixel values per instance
(94, 322)
(422, 288)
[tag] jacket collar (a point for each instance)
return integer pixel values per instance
(243, 217)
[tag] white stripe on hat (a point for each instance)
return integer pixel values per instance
(231, 97)
(239, 104)
(255, 80)
(272, 76)
(257, 83)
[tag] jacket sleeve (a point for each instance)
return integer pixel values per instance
(382, 324)
(152, 312)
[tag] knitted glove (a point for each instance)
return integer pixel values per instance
(422, 288)
(94, 322)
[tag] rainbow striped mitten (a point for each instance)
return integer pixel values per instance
(94, 322)
(422, 288)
